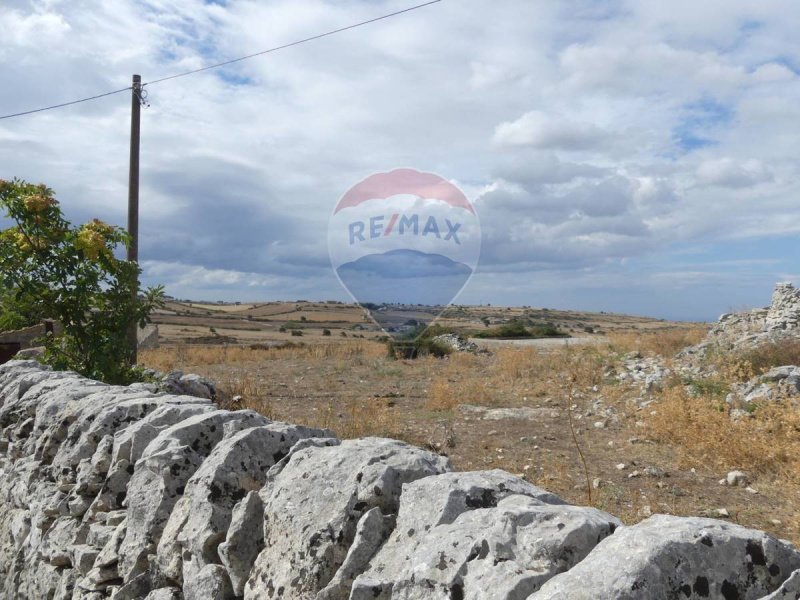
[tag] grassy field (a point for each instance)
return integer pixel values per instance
(570, 423)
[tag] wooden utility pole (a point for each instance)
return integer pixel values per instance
(133, 197)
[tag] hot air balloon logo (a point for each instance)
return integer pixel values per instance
(404, 238)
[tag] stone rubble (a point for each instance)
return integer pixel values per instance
(648, 373)
(734, 332)
(456, 343)
(134, 494)
(780, 383)
(780, 320)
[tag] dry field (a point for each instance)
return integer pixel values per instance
(681, 445)
(198, 323)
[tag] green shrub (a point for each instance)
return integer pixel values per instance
(71, 274)
(708, 387)
(517, 328)
(422, 346)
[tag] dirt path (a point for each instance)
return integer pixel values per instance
(542, 343)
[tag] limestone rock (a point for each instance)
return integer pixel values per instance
(482, 535)
(211, 582)
(790, 590)
(165, 594)
(781, 320)
(737, 478)
(130, 442)
(195, 385)
(670, 557)
(235, 467)
(114, 492)
(314, 503)
(160, 477)
(244, 540)
(371, 532)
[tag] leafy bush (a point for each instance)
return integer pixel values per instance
(18, 309)
(422, 346)
(326, 332)
(519, 329)
(297, 332)
(51, 268)
(707, 386)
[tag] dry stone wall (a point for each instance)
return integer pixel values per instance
(121, 492)
(750, 328)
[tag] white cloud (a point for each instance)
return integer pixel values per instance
(22, 29)
(727, 172)
(773, 72)
(541, 130)
(648, 68)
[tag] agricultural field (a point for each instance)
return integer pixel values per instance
(274, 322)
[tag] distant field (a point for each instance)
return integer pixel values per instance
(250, 323)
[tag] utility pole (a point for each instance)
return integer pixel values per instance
(133, 198)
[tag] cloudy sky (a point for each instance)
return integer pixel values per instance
(635, 156)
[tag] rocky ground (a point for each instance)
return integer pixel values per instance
(155, 492)
(129, 494)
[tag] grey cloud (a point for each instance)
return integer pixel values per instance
(539, 168)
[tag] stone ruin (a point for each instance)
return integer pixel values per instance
(747, 329)
(120, 492)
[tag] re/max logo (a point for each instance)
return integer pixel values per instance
(402, 225)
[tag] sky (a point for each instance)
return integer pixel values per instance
(633, 156)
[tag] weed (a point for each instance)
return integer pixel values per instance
(773, 354)
(441, 396)
(666, 343)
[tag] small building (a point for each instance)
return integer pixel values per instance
(12, 342)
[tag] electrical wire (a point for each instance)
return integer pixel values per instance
(296, 43)
(37, 110)
(227, 62)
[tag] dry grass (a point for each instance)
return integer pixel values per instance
(442, 396)
(701, 429)
(168, 358)
(363, 418)
(583, 366)
(514, 364)
(776, 354)
(666, 343)
(249, 388)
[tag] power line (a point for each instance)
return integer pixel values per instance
(36, 110)
(228, 62)
(297, 43)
